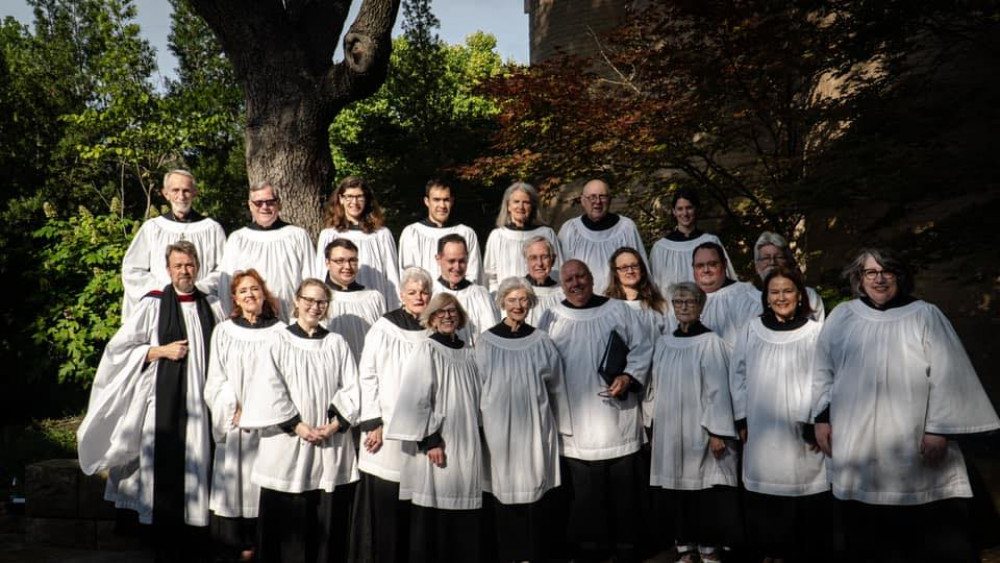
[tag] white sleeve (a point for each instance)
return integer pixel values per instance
(640, 347)
(219, 393)
(474, 273)
(267, 401)
(738, 374)
(717, 416)
(552, 375)
(347, 399)
(137, 275)
(491, 261)
(368, 371)
(417, 414)
(824, 368)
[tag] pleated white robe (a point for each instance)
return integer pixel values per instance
(504, 256)
(352, 313)
(525, 409)
(547, 297)
(603, 428)
(688, 398)
(119, 429)
(769, 378)
(144, 267)
(233, 361)
(383, 360)
(440, 392)
(594, 248)
(654, 320)
(378, 268)
(283, 257)
(815, 302)
(479, 307)
(729, 309)
(888, 377)
(418, 246)
(672, 261)
(304, 377)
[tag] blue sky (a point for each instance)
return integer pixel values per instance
(505, 19)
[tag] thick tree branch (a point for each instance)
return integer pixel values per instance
(367, 46)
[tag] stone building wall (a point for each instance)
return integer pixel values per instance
(566, 25)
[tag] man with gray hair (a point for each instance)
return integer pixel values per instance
(143, 270)
(540, 255)
(772, 250)
(282, 253)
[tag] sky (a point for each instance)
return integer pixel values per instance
(505, 19)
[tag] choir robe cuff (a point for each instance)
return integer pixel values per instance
(288, 427)
(823, 416)
(333, 414)
(430, 442)
(369, 425)
(741, 424)
(809, 434)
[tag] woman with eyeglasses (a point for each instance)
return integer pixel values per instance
(690, 413)
(437, 418)
(670, 257)
(784, 471)
(630, 282)
(232, 362)
(304, 397)
(517, 222)
(525, 409)
(353, 213)
(892, 389)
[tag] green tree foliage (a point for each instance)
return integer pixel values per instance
(425, 119)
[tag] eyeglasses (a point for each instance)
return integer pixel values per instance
(594, 198)
(342, 261)
(309, 301)
(353, 197)
(265, 202)
(628, 268)
(682, 303)
(870, 275)
(449, 312)
(771, 259)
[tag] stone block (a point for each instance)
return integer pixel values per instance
(91, 503)
(51, 488)
(63, 532)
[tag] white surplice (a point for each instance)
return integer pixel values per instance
(144, 267)
(888, 377)
(479, 307)
(233, 361)
(729, 309)
(304, 377)
(547, 297)
(283, 257)
(769, 378)
(504, 256)
(383, 360)
(377, 265)
(603, 428)
(352, 313)
(594, 248)
(524, 408)
(672, 261)
(118, 431)
(686, 400)
(418, 246)
(440, 393)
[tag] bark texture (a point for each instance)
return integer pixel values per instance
(282, 54)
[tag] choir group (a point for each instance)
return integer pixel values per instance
(552, 397)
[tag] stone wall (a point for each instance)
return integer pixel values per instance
(567, 25)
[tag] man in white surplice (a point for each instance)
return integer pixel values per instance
(353, 309)
(730, 304)
(452, 261)
(594, 236)
(602, 454)
(143, 269)
(148, 389)
(539, 256)
(418, 241)
(282, 253)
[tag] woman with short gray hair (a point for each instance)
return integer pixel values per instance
(525, 409)
(892, 386)
(517, 222)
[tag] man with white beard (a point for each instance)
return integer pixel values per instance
(602, 454)
(142, 267)
(453, 261)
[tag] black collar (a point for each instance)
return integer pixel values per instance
(514, 227)
(549, 282)
(456, 287)
(428, 223)
(771, 321)
(403, 320)
(452, 341)
(262, 322)
(899, 300)
(277, 224)
(355, 286)
(503, 331)
(677, 236)
(297, 330)
(695, 329)
(606, 222)
(595, 301)
(192, 217)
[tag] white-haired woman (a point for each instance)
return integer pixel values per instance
(381, 520)
(524, 408)
(303, 397)
(688, 406)
(437, 418)
(516, 223)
